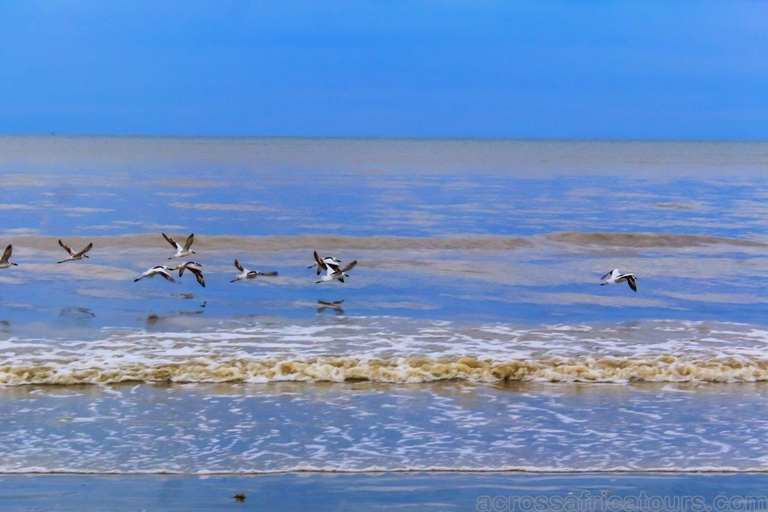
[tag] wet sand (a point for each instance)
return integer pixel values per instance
(375, 491)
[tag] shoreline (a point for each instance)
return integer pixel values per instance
(363, 472)
(417, 491)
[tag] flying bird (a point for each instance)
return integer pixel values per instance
(5, 260)
(181, 251)
(194, 268)
(160, 270)
(332, 270)
(327, 260)
(249, 274)
(614, 276)
(75, 256)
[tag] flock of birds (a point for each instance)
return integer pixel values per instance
(332, 266)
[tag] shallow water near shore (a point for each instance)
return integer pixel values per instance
(472, 335)
(364, 427)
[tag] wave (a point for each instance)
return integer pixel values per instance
(395, 350)
(646, 240)
(407, 370)
(309, 469)
(329, 242)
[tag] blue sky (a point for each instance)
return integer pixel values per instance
(540, 68)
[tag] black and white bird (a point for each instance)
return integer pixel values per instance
(614, 276)
(328, 260)
(194, 268)
(160, 270)
(181, 251)
(332, 270)
(75, 256)
(249, 274)
(5, 261)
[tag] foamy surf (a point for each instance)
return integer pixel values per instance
(410, 370)
(396, 350)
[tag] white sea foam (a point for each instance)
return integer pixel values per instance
(384, 349)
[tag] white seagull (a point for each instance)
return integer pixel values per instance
(4, 261)
(249, 274)
(181, 251)
(160, 270)
(194, 268)
(328, 260)
(614, 276)
(332, 270)
(74, 256)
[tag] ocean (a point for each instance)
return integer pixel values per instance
(472, 336)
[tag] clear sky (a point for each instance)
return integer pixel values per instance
(539, 68)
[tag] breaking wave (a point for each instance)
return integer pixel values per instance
(665, 368)
(396, 350)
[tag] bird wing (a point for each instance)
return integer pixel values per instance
(171, 241)
(238, 266)
(166, 275)
(87, 248)
(349, 266)
(632, 282)
(606, 276)
(66, 247)
(198, 275)
(189, 241)
(6, 254)
(269, 273)
(320, 263)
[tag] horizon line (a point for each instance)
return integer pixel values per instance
(378, 137)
